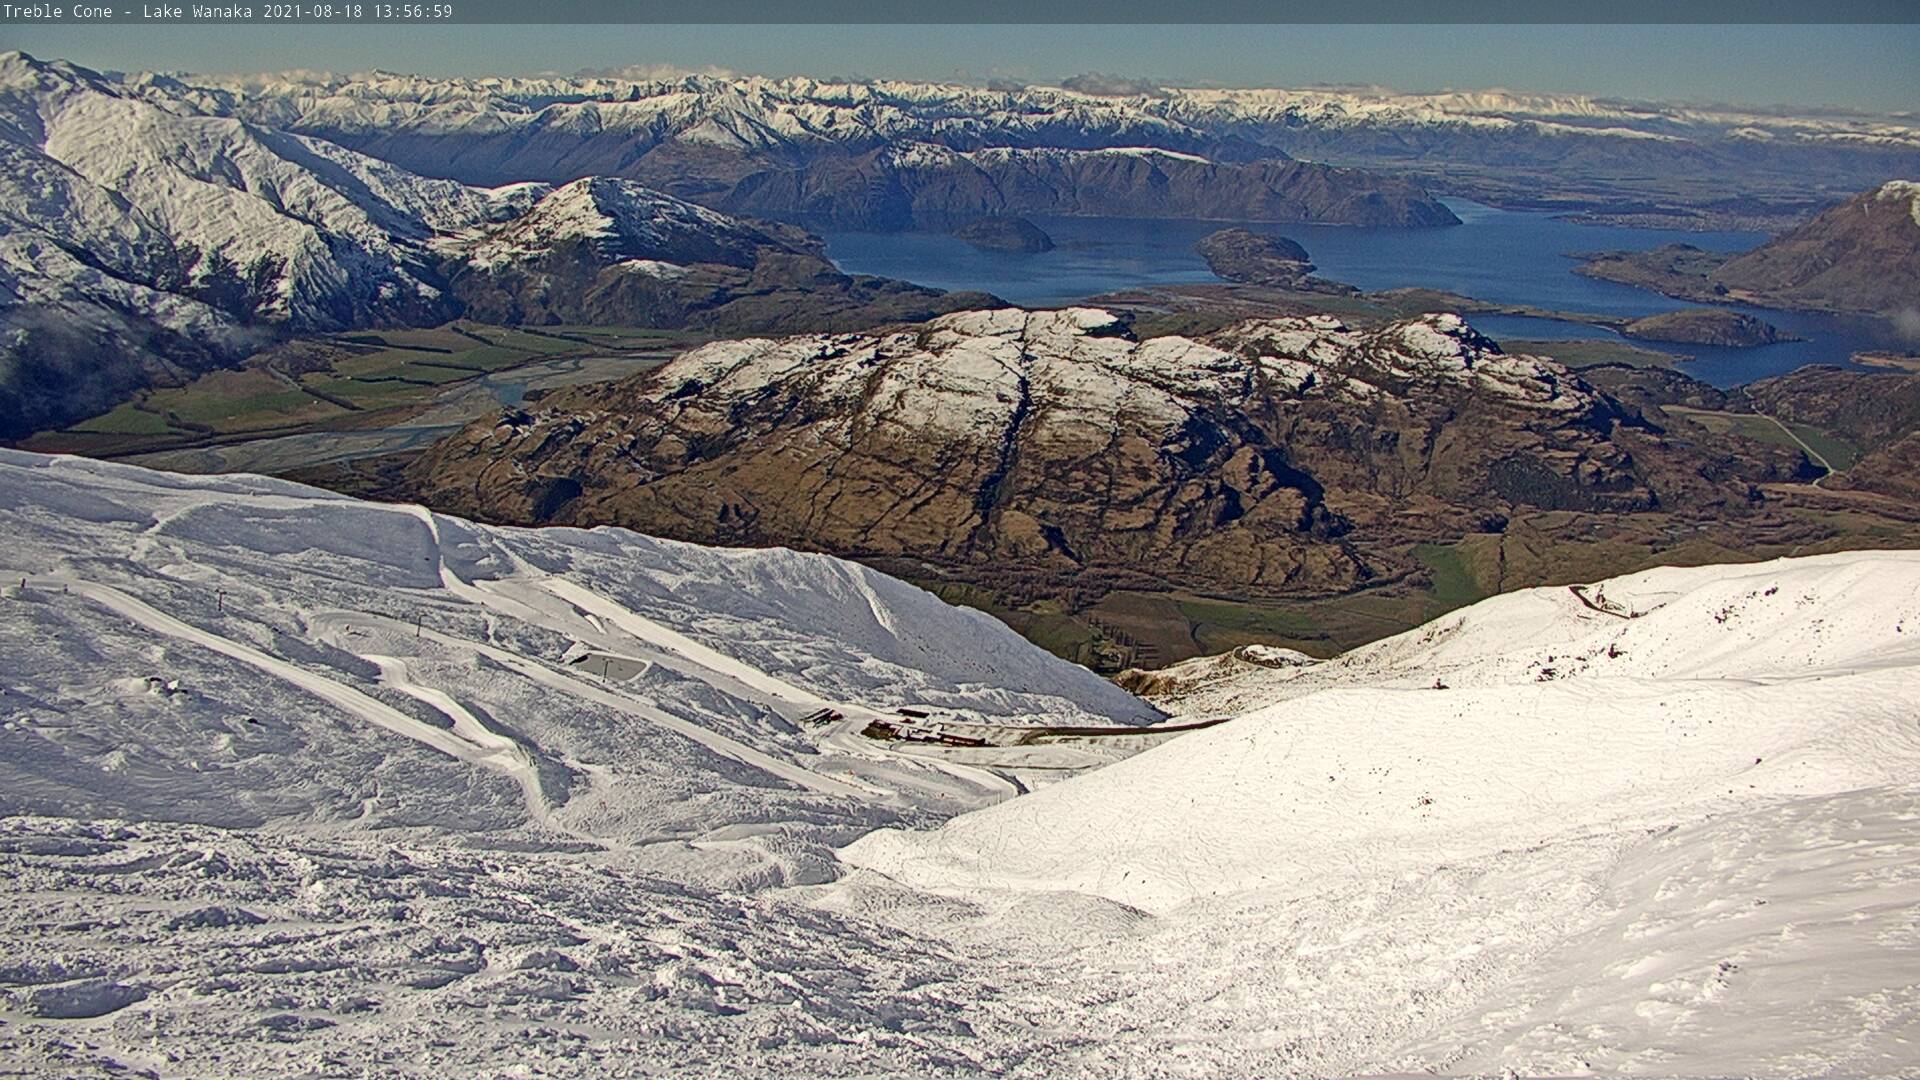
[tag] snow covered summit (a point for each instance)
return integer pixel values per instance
(620, 219)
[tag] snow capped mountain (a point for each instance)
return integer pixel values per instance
(145, 235)
(922, 185)
(336, 236)
(619, 220)
(293, 782)
(750, 111)
(1053, 451)
(490, 130)
(140, 239)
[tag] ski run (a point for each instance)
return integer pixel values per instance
(296, 784)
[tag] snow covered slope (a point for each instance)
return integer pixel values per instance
(293, 783)
(324, 780)
(239, 651)
(1727, 685)
(1661, 826)
(143, 238)
(340, 233)
(622, 221)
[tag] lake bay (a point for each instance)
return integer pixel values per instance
(1503, 256)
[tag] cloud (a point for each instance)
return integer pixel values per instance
(1906, 325)
(1105, 85)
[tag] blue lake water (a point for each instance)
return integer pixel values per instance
(1505, 256)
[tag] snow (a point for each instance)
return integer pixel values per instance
(962, 376)
(293, 783)
(1745, 717)
(1151, 151)
(286, 603)
(342, 224)
(132, 173)
(618, 217)
(654, 268)
(1903, 189)
(760, 113)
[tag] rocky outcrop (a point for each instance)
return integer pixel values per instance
(1678, 270)
(1051, 451)
(1705, 326)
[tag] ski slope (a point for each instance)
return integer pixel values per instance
(361, 633)
(1526, 717)
(295, 783)
(1679, 837)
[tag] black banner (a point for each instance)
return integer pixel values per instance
(1037, 12)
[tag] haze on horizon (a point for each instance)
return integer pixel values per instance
(1801, 66)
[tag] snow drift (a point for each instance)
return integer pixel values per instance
(1526, 717)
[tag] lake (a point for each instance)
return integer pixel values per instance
(1504, 256)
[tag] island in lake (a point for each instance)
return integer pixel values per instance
(1257, 259)
(1706, 326)
(1016, 235)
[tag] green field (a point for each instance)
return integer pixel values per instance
(1454, 582)
(1839, 453)
(340, 380)
(125, 420)
(1594, 352)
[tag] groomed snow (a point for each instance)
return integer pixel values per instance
(1754, 731)
(314, 641)
(291, 783)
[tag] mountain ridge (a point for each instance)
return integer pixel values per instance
(1594, 154)
(1860, 256)
(1052, 453)
(143, 242)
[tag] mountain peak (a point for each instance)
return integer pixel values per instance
(1902, 189)
(619, 219)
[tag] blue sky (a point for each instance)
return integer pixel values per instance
(1866, 66)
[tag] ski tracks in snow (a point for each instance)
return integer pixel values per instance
(568, 608)
(469, 740)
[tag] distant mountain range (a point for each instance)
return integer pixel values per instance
(152, 228)
(142, 241)
(494, 130)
